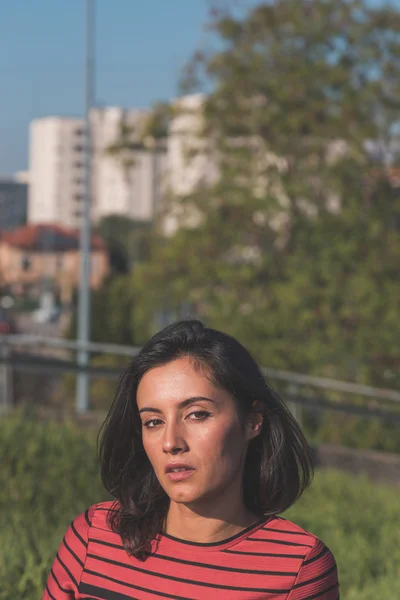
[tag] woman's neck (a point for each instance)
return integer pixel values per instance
(195, 524)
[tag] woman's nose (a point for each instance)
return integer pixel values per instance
(174, 441)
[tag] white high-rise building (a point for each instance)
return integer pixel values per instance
(129, 187)
(56, 170)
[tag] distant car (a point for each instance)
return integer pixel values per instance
(7, 323)
(47, 315)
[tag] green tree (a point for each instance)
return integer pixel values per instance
(111, 313)
(112, 321)
(127, 241)
(295, 247)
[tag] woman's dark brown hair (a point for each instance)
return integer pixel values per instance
(278, 465)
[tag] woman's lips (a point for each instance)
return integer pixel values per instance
(180, 475)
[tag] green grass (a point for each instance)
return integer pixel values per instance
(49, 474)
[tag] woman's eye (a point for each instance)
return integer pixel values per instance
(199, 415)
(151, 423)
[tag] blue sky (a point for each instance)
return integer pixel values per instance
(141, 48)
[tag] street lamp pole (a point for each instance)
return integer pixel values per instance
(83, 332)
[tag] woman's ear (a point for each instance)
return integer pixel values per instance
(255, 421)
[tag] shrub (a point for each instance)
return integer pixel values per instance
(50, 474)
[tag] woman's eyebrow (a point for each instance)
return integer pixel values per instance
(182, 404)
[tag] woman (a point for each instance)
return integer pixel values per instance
(201, 456)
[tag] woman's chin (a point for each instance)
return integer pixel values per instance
(183, 496)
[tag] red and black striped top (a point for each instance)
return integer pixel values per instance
(272, 560)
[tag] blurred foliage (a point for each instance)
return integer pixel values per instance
(358, 523)
(127, 241)
(156, 124)
(101, 389)
(341, 429)
(114, 308)
(111, 311)
(50, 474)
(295, 248)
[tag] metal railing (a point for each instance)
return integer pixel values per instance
(14, 357)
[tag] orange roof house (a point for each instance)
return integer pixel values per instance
(33, 253)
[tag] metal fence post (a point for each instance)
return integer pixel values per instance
(295, 407)
(83, 332)
(6, 391)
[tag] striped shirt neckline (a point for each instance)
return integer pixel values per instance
(220, 545)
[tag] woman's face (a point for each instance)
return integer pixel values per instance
(192, 433)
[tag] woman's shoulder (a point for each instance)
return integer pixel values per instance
(278, 535)
(103, 507)
(94, 516)
(317, 574)
(283, 530)
(294, 552)
(282, 525)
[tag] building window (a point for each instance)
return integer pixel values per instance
(78, 148)
(78, 197)
(78, 165)
(79, 131)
